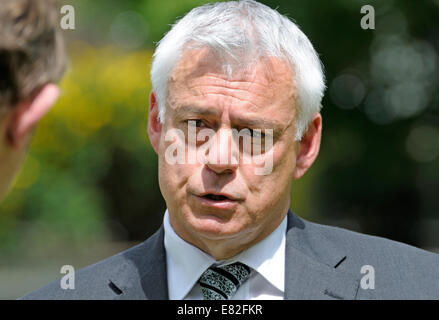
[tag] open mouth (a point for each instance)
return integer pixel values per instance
(217, 201)
(215, 197)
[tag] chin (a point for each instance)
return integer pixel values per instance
(214, 228)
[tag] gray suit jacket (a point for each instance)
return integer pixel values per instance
(322, 262)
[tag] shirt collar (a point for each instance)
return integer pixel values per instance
(186, 263)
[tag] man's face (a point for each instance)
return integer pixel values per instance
(260, 98)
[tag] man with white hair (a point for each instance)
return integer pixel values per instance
(227, 71)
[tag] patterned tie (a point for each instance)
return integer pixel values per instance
(220, 283)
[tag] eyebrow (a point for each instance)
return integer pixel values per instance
(262, 123)
(259, 123)
(180, 111)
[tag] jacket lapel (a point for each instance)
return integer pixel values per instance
(311, 263)
(144, 275)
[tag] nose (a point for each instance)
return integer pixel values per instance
(222, 154)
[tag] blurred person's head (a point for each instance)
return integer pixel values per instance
(233, 65)
(32, 60)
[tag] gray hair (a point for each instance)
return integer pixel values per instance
(237, 29)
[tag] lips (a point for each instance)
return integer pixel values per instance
(218, 196)
(217, 200)
(215, 197)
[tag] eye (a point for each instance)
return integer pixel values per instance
(194, 123)
(256, 133)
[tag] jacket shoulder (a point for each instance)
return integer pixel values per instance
(94, 282)
(399, 270)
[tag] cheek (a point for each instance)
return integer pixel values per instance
(264, 187)
(174, 176)
(285, 160)
(174, 179)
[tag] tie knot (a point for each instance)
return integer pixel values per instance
(220, 283)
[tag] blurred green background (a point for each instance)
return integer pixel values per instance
(89, 186)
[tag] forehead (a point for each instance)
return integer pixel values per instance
(200, 79)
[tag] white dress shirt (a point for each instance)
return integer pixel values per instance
(186, 263)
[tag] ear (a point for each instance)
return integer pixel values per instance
(154, 125)
(309, 146)
(29, 112)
